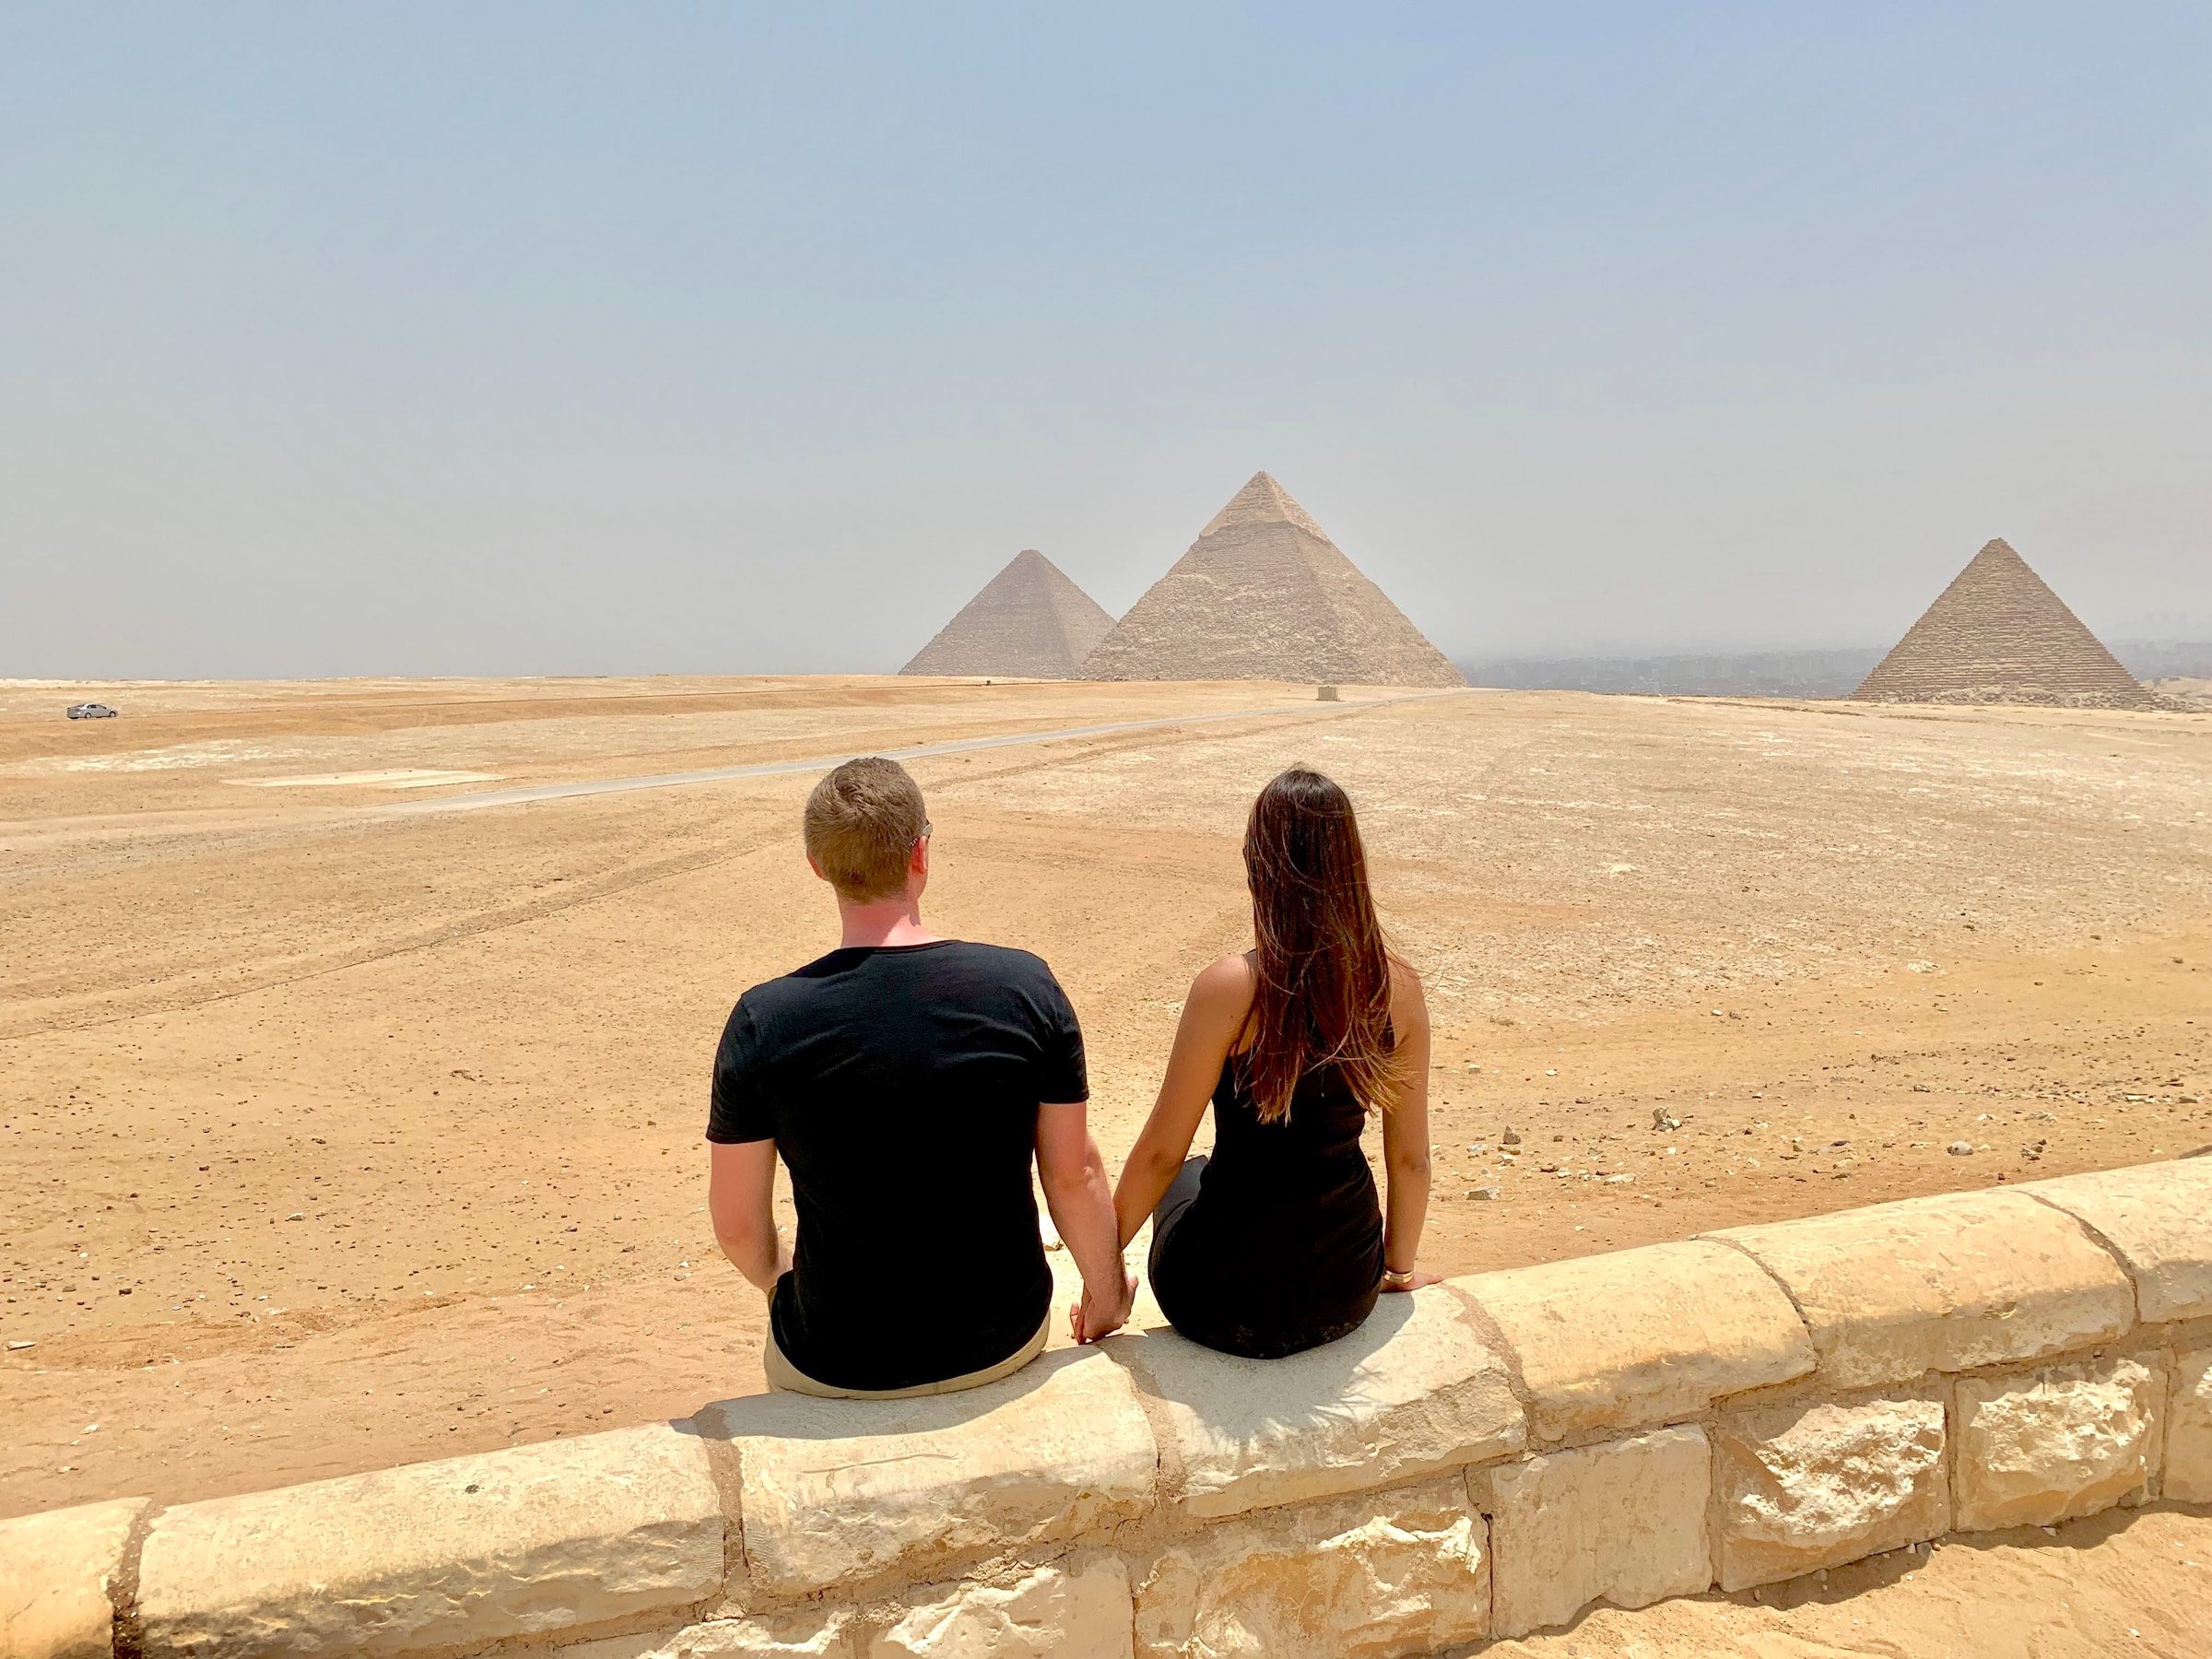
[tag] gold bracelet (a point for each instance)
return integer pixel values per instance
(1391, 1276)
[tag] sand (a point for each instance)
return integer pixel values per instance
(338, 1135)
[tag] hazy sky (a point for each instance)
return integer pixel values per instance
(488, 338)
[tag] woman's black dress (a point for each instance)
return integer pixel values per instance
(1274, 1244)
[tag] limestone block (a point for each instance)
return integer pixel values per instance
(842, 1491)
(1943, 1283)
(2159, 1216)
(2189, 1434)
(527, 1541)
(55, 1572)
(1051, 1612)
(1806, 1487)
(1415, 1391)
(806, 1633)
(1623, 1522)
(2046, 1445)
(1643, 1336)
(1406, 1572)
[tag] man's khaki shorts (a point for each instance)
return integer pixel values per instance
(783, 1377)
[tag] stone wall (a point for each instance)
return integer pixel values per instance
(1482, 1460)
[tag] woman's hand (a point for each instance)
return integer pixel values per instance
(1088, 1321)
(1413, 1280)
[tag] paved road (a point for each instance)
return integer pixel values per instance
(527, 794)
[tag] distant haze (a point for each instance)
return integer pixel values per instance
(508, 339)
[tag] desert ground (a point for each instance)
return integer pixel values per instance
(354, 1117)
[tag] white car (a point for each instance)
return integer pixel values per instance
(90, 711)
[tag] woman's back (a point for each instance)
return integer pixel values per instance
(1276, 1242)
(1280, 1246)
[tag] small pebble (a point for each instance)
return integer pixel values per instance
(1960, 1149)
(1482, 1191)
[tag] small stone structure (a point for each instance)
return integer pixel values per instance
(1999, 634)
(1030, 622)
(1481, 1460)
(1264, 593)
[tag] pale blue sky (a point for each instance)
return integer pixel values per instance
(563, 338)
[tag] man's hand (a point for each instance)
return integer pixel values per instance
(1089, 1322)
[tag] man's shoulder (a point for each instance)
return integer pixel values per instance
(1008, 959)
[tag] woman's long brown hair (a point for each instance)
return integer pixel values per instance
(1323, 995)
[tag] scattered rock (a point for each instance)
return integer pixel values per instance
(1511, 1137)
(1960, 1149)
(1665, 1121)
(1482, 1191)
(17, 1347)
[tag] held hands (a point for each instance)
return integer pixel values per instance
(1090, 1319)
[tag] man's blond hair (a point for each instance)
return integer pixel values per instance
(861, 823)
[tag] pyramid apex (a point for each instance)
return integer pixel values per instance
(1263, 502)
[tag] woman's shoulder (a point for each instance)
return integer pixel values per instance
(1227, 980)
(1408, 1004)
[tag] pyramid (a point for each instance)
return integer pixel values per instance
(1264, 593)
(1030, 622)
(1998, 634)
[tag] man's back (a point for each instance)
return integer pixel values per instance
(900, 1085)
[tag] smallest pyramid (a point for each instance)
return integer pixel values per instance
(1999, 634)
(1030, 622)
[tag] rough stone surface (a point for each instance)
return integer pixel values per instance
(1413, 1391)
(1030, 622)
(2189, 1432)
(842, 1491)
(1999, 634)
(2159, 1216)
(1403, 1572)
(1642, 1337)
(529, 1541)
(1943, 1283)
(1806, 1487)
(1623, 1522)
(2059, 1441)
(1083, 1614)
(808, 1634)
(55, 1572)
(1263, 593)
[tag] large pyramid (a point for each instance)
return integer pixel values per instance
(1030, 622)
(1999, 634)
(1264, 593)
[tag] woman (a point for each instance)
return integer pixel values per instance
(1276, 1243)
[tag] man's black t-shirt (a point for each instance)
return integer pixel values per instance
(900, 1084)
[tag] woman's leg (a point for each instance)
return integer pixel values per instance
(1173, 1205)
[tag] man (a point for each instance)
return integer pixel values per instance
(905, 1079)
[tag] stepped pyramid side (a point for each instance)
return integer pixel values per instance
(1030, 622)
(1999, 634)
(1264, 593)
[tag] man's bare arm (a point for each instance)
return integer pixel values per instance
(1073, 1175)
(741, 1199)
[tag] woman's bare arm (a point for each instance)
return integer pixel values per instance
(1212, 1015)
(1406, 1136)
